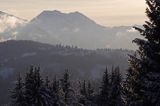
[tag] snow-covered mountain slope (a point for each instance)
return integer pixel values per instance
(76, 29)
(9, 25)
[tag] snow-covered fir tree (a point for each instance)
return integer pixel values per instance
(47, 82)
(83, 93)
(115, 97)
(103, 99)
(130, 87)
(87, 97)
(69, 94)
(56, 92)
(36, 94)
(90, 95)
(17, 94)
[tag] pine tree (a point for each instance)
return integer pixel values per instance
(67, 90)
(86, 94)
(90, 95)
(47, 82)
(104, 90)
(83, 94)
(130, 88)
(56, 93)
(35, 92)
(18, 98)
(90, 90)
(145, 64)
(115, 98)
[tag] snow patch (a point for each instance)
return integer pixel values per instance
(132, 30)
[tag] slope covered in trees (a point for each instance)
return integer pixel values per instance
(53, 59)
(33, 90)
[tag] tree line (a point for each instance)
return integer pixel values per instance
(33, 90)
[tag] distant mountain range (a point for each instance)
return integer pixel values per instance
(55, 27)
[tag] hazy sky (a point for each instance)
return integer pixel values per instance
(104, 12)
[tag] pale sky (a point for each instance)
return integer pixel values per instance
(104, 12)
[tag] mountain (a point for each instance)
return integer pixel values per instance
(55, 27)
(76, 29)
(68, 29)
(17, 56)
(9, 25)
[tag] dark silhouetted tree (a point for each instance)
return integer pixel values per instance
(69, 94)
(36, 94)
(83, 93)
(56, 93)
(17, 94)
(115, 98)
(103, 99)
(144, 81)
(90, 95)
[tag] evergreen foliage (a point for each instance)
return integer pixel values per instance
(142, 86)
(56, 93)
(34, 91)
(83, 94)
(17, 94)
(115, 98)
(104, 90)
(66, 88)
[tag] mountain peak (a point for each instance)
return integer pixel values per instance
(50, 13)
(56, 11)
(76, 13)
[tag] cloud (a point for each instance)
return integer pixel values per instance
(8, 26)
(9, 22)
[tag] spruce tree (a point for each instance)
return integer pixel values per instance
(115, 98)
(17, 94)
(67, 89)
(56, 93)
(36, 93)
(29, 85)
(145, 64)
(47, 82)
(104, 90)
(83, 94)
(90, 95)
(86, 94)
(130, 87)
